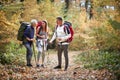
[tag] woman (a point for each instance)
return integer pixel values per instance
(41, 34)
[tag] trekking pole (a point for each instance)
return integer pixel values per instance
(34, 52)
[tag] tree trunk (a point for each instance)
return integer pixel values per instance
(67, 4)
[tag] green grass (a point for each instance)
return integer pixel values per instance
(101, 60)
(14, 54)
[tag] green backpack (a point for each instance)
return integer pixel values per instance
(23, 26)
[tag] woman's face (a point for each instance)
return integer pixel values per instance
(43, 24)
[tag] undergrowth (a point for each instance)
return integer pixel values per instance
(101, 60)
(14, 54)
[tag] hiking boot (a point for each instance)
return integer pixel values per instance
(29, 65)
(42, 65)
(65, 69)
(57, 67)
(37, 65)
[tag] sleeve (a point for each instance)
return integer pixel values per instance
(53, 37)
(26, 33)
(66, 37)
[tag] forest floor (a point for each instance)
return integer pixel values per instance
(74, 72)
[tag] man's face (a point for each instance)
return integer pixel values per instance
(34, 24)
(59, 22)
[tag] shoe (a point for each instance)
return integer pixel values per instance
(57, 67)
(42, 65)
(65, 69)
(37, 65)
(29, 65)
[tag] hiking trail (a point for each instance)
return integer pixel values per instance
(74, 72)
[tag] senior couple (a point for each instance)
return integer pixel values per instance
(41, 34)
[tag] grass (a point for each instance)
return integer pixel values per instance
(101, 60)
(14, 54)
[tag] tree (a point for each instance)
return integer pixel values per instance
(21, 0)
(52, 0)
(67, 4)
(30, 10)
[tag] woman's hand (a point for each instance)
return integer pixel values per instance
(43, 36)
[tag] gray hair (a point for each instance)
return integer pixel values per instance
(34, 21)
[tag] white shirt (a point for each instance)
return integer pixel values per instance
(60, 34)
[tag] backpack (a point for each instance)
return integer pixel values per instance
(39, 24)
(51, 46)
(68, 30)
(68, 27)
(20, 35)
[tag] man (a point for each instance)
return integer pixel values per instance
(61, 36)
(28, 41)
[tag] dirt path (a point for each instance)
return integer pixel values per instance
(48, 73)
(74, 72)
(51, 60)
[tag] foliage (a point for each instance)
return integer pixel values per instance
(30, 10)
(77, 44)
(105, 32)
(100, 60)
(104, 29)
(14, 54)
(106, 39)
(49, 11)
(7, 30)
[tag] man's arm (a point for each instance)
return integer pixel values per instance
(26, 34)
(53, 37)
(65, 38)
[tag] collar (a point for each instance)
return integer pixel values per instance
(32, 27)
(60, 25)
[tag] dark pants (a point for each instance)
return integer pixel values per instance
(62, 48)
(29, 52)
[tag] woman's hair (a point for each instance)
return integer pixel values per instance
(46, 25)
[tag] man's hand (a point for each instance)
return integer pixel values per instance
(50, 42)
(30, 39)
(33, 40)
(59, 39)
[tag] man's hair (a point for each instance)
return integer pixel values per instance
(59, 18)
(34, 21)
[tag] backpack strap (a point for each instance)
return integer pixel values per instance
(66, 29)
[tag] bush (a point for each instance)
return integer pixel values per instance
(14, 54)
(106, 39)
(101, 60)
(77, 44)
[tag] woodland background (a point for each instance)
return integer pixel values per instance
(97, 38)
